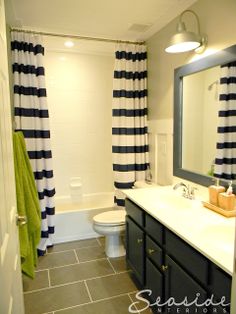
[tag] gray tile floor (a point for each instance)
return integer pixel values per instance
(77, 278)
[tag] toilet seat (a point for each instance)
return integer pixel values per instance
(110, 218)
(111, 224)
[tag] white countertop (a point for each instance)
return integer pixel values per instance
(208, 232)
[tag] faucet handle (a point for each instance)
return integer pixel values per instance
(186, 190)
(192, 192)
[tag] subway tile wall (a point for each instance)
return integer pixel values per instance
(79, 89)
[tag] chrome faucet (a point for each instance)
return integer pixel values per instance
(188, 191)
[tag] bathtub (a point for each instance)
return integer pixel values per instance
(73, 218)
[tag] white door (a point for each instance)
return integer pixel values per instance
(11, 296)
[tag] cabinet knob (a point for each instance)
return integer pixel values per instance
(150, 251)
(139, 241)
(164, 267)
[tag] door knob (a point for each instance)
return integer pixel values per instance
(139, 241)
(150, 251)
(21, 220)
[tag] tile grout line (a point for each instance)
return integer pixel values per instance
(76, 256)
(40, 270)
(89, 294)
(111, 265)
(104, 276)
(49, 279)
(69, 283)
(133, 302)
(56, 252)
(55, 267)
(75, 248)
(95, 301)
(100, 244)
(122, 272)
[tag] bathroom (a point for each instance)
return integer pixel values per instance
(83, 165)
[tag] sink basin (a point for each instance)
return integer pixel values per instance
(176, 200)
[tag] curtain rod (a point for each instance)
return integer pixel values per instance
(12, 29)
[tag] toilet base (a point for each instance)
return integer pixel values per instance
(114, 246)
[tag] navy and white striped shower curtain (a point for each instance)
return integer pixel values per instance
(31, 117)
(129, 118)
(225, 162)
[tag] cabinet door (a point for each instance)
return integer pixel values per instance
(135, 249)
(186, 256)
(154, 281)
(179, 285)
(220, 286)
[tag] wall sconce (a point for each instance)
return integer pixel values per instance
(184, 40)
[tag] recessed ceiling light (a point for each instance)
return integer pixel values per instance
(69, 43)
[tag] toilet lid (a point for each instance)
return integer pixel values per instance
(111, 217)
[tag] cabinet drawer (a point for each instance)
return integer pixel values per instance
(134, 212)
(190, 259)
(153, 252)
(154, 229)
(220, 283)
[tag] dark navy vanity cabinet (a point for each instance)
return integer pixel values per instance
(169, 267)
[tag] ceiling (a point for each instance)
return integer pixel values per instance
(124, 19)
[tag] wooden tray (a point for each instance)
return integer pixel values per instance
(226, 213)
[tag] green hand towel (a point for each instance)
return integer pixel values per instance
(27, 205)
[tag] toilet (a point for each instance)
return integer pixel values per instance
(111, 224)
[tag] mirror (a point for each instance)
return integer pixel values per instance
(200, 116)
(195, 116)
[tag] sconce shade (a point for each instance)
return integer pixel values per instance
(184, 40)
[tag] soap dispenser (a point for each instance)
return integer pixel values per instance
(214, 191)
(227, 200)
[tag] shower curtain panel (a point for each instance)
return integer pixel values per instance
(225, 162)
(129, 118)
(31, 117)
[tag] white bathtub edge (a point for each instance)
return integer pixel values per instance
(76, 225)
(64, 239)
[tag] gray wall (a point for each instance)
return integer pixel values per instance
(217, 20)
